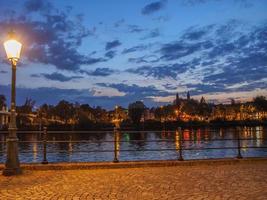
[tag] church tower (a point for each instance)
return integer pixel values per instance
(188, 95)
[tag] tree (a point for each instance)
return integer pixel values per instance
(27, 107)
(260, 103)
(2, 101)
(64, 110)
(136, 110)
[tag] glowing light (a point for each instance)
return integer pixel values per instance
(13, 49)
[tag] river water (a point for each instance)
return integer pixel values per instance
(94, 146)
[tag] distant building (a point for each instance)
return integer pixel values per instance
(148, 115)
(177, 100)
(4, 117)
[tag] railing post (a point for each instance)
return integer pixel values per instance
(239, 156)
(115, 136)
(44, 146)
(180, 145)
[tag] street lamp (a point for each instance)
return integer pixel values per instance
(12, 166)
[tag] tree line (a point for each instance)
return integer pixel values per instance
(77, 115)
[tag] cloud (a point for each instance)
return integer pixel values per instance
(241, 3)
(132, 90)
(134, 49)
(37, 5)
(179, 49)
(161, 71)
(214, 59)
(56, 77)
(99, 72)
(153, 7)
(152, 34)
(135, 29)
(52, 38)
(113, 44)
(3, 71)
(110, 54)
(195, 35)
(144, 59)
(119, 23)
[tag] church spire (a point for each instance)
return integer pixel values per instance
(188, 95)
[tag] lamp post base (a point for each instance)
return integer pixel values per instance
(12, 166)
(12, 171)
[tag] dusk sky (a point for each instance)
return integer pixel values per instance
(109, 52)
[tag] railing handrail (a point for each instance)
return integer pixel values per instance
(116, 140)
(122, 141)
(127, 131)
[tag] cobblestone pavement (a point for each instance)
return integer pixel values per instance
(239, 181)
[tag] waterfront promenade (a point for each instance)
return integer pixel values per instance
(236, 180)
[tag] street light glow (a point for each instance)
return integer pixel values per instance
(13, 49)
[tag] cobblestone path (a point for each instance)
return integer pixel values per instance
(239, 181)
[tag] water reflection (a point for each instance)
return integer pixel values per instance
(177, 140)
(74, 148)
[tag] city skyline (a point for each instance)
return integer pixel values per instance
(111, 53)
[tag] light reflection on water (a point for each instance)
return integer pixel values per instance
(71, 151)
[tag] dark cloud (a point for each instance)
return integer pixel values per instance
(52, 38)
(56, 77)
(169, 86)
(154, 7)
(246, 69)
(3, 71)
(195, 35)
(99, 72)
(134, 89)
(113, 44)
(134, 49)
(179, 49)
(110, 54)
(37, 5)
(119, 23)
(35, 75)
(222, 50)
(152, 34)
(241, 3)
(135, 29)
(197, 89)
(162, 71)
(245, 60)
(144, 59)
(243, 55)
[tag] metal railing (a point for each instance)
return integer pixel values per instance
(116, 141)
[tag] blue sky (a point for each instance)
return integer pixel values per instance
(116, 52)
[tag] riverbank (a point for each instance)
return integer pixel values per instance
(149, 125)
(138, 164)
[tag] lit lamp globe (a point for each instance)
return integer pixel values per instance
(13, 49)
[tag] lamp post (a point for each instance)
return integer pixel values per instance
(12, 165)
